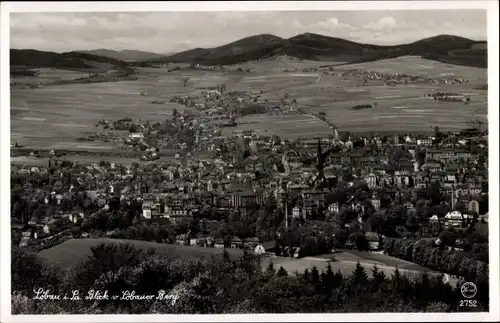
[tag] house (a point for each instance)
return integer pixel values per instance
(431, 166)
(136, 135)
(27, 234)
(33, 221)
(210, 242)
(296, 253)
(251, 243)
(192, 241)
(434, 219)
(462, 154)
(373, 240)
(259, 249)
(296, 212)
(219, 243)
(473, 207)
(484, 218)
(182, 239)
(201, 242)
(371, 180)
(236, 243)
(243, 199)
(376, 203)
(75, 217)
(455, 219)
(176, 210)
(424, 142)
(334, 207)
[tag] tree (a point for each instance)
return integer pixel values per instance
(315, 275)
(379, 278)
(29, 272)
(270, 270)
(460, 207)
(306, 276)
(328, 280)
(132, 128)
(359, 239)
(282, 272)
(359, 275)
(448, 237)
(76, 232)
(412, 224)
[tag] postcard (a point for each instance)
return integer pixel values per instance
(249, 161)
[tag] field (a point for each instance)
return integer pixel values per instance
(280, 64)
(413, 65)
(47, 75)
(64, 256)
(52, 117)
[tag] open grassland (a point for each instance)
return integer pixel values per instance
(54, 116)
(64, 256)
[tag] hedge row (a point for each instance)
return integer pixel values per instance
(437, 258)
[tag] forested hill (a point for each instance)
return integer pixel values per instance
(444, 48)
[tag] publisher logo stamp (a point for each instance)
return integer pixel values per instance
(468, 290)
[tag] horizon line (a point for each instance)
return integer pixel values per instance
(167, 53)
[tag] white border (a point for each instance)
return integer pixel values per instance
(491, 6)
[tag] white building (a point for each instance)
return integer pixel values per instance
(259, 249)
(424, 142)
(455, 218)
(376, 203)
(334, 207)
(136, 135)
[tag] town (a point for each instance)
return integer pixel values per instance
(292, 198)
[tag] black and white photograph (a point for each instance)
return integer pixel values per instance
(328, 159)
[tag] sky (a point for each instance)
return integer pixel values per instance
(167, 32)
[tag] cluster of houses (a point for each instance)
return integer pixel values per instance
(392, 79)
(250, 244)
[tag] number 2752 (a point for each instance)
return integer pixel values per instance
(468, 303)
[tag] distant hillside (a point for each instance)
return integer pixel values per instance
(124, 55)
(29, 58)
(225, 52)
(445, 48)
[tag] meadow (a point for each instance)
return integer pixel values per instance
(53, 116)
(63, 255)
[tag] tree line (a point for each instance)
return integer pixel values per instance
(439, 258)
(221, 284)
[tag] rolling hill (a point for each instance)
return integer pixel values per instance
(28, 58)
(225, 52)
(124, 55)
(444, 48)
